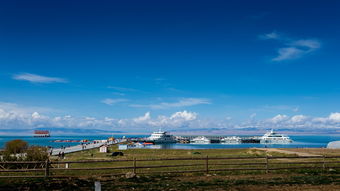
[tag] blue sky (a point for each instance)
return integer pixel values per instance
(226, 61)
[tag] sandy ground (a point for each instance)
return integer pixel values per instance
(317, 151)
(297, 152)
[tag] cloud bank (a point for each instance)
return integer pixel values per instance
(14, 117)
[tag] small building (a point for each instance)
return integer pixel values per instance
(103, 149)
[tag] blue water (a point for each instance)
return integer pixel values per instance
(49, 141)
(307, 141)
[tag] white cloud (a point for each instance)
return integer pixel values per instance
(185, 115)
(109, 101)
(292, 49)
(278, 118)
(272, 35)
(176, 120)
(13, 116)
(334, 117)
(36, 115)
(90, 118)
(309, 43)
(298, 118)
(34, 78)
(181, 103)
(145, 117)
(288, 53)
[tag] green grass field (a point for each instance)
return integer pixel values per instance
(152, 179)
(141, 154)
(165, 153)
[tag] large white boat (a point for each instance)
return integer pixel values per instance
(200, 140)
(161, 137)
(231, 140)
(274, 138)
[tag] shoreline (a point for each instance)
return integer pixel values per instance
(175, 134)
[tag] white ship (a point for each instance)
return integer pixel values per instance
(274, 138)
(200, 140)
(231, 140)
(161, 137)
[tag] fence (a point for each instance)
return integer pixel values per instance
(176, 165)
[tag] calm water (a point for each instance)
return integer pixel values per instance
(316, 141)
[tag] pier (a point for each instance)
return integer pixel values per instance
(82, 147)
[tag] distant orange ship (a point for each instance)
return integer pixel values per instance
(41, 133)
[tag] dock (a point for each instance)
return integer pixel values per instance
(82, 147)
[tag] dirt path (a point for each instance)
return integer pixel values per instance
(287, 152)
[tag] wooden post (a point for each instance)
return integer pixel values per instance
(134, 165)
(207, 164)
(97, 186)
(47, 168)
(267, 165)
(324, 163)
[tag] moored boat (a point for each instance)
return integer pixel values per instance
(160, 137)
(274, 138)
(231, 140)
(200, 140)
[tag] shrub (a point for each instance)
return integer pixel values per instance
(14, 150)
(16, 146)
(36, 153)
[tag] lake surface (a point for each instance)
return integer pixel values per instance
(307, 141)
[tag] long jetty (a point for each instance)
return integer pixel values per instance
(81, 147)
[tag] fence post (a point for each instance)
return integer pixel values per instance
(47, 168)
(207, 164)
(267, 166)
(324, 163)
(134, 165)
